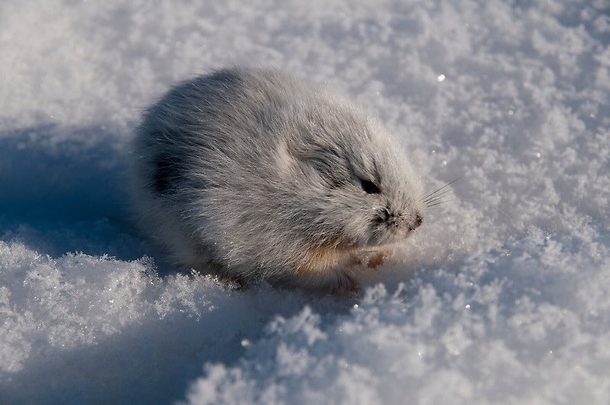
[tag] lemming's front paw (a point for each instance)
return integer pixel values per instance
(372, 259)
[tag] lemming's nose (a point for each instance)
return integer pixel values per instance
(417, 223)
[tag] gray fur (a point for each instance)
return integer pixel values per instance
(253, 174)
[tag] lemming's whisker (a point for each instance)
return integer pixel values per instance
(439, 191)
(435, 192)
(436, 197)
(441, 188)
(439, 203)
(435, 202)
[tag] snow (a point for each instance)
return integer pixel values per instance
(502, 297)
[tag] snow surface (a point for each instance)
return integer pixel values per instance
(502, 297)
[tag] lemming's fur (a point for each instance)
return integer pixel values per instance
(254, 174)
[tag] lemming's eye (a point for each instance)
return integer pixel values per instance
(369, 187)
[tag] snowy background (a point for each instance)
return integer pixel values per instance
(502, 297)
